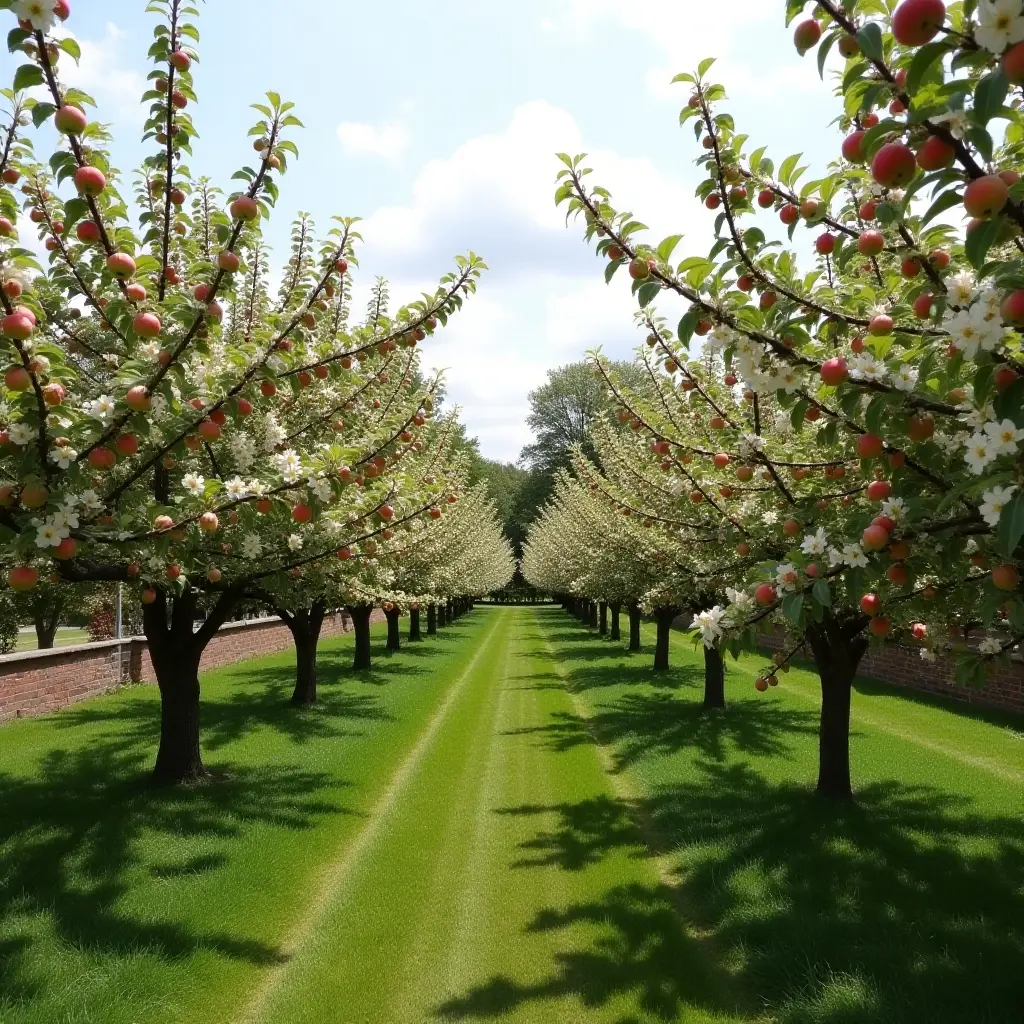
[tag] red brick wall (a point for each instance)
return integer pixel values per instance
(903, 666)
(36, 682)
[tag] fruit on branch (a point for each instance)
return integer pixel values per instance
(765, 198)
(869, 446)
(880, 325)
(228, 261)
(1005, 577)
(880, 626)
(853, 149)
(120, 264)
(897, 574)
(639, 269)
(713, 201)
(179, 60)
(127, 444)
(875, 537)
(806, 35)
(90, 181)
(17, 325)
(910, 267)
(765, 594)
(70, 120)
(916, 22)
(893, 165)
(244, 208)
(923, 305)
(879, 490)
(22, 578)
(1013, 64)
(870, 243)
(871, 604)
(302, 513)
(825, 244)
(146, 325)
(920, 427)
(208, 522)
(986, 196)
(138, 399)
(789, 214)
(934, 154)
(834, 371)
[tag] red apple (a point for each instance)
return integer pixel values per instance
(986, 196)
(90, 181)
(245, 208)
(879, 490)
(146, 325)
(870, 604)
(874, 538)
(893, 165)
(1005, 577)
(806, 35)
(765, 594)
(70, 120)
(869, 446)
(935, 153)
(302, 513)
(120, 264)
(208, 522)
(127, 444)
(852, 147)
(138, 398)
(834, 371)
(880, 626)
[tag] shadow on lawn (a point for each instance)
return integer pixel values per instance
(70, 838)
(906, 907)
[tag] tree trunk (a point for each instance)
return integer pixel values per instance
(431, 620)
(394, 630)
(837, 649)
(414, 625)
(592, 614)
(634, 627)
(714, 678)
(615, 608)
(175, 651)
(305, 625)
(602, 628)
(664, 617)
(361, 627)
(46, 632)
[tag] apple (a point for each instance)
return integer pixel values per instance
(120, 264)
(789, 214)
(880, 626)
(870, 243)
(874, 538)
(761, 684)
(920, 427)
(809, 209)
(146, 325)
(18, 325)
(765, 594)
(22, 578)
(985, 196)
(1004, 377)
(870, 604)
(898, 574)
(765, 198)
(893, 165)
(897, 460)
(743, 549)
(214, 575)
(138, 398)
(792, 528)
(209, 430)
(1013, 64)
(179, 60)
(639, 269)
(244, 208)
(869, 446)
(70, 120)
(713, 201)
(302, 513)
(163, 523)
(910, 267)
(879, 490)
(173, 571)
(127, 444)
(852, 147)
(136, 292)
(1005, 577)
(219, 416)
(919, 631)
(806, 35)
(208, 522)
(244, 407)
(834, 371)
(899, 550)
(923, 305)
(65, 549)
(916, 22)
(268, 389)
(90, 181)
(101, 458)
(935, 153)
(1012, 307)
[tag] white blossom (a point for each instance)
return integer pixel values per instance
(235, 488)
(101, 408)
(981, 450)
(20, 434)
(90, 500)
(815, 543)
(252, 546)
(1006, 435)
(990, 645)
(854, 557)
(927, 655)
(905, 378)
(894, 508)
(63, 458)
(294, 542)
(193, 483)
(1000, 24)
(993, 503)
(786, 576)
(48, 535)
(40, 14)
(709, 624)
(321, 487)
(961, 288)
(289, 466)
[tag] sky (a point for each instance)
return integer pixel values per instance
(438, 124)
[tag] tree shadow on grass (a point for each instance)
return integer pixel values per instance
(906, 907)
(71, 852)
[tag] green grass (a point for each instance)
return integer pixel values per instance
(516, 822)
(908, 906)
(64, 637)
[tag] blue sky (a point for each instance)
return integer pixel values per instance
(438, 122)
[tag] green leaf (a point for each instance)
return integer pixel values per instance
(1011, 525)
(687, 324)
(27, 76)
(1009, 404)
(15, 38)
(793, 607)
(823, 48)
(821, 593)
(42, 112)
(70, 46)
(667, 247)
(645, 293)
(925, 57)
(980, 240)
(788, 166)
(989, 95)
(870, 40)
(875, 414)
(704, 66)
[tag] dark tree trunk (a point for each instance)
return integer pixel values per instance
(837, 648)
(305, 625)
(361, 627)
(603, 625)
(634, 627)
(46, 632)
(175, 651)
(714, 678)
(414, 625)
(394, 630)
(592, 614)
(615, 608)
(431, 620)
(664, 617)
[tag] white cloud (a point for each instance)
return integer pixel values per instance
(544, 302)
(103, 74)
(387, 140)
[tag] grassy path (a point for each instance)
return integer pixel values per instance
(467, 904)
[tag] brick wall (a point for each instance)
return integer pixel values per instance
(36, 682)
(903, 666)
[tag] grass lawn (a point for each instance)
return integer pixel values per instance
(64, 637)
(515, 821)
